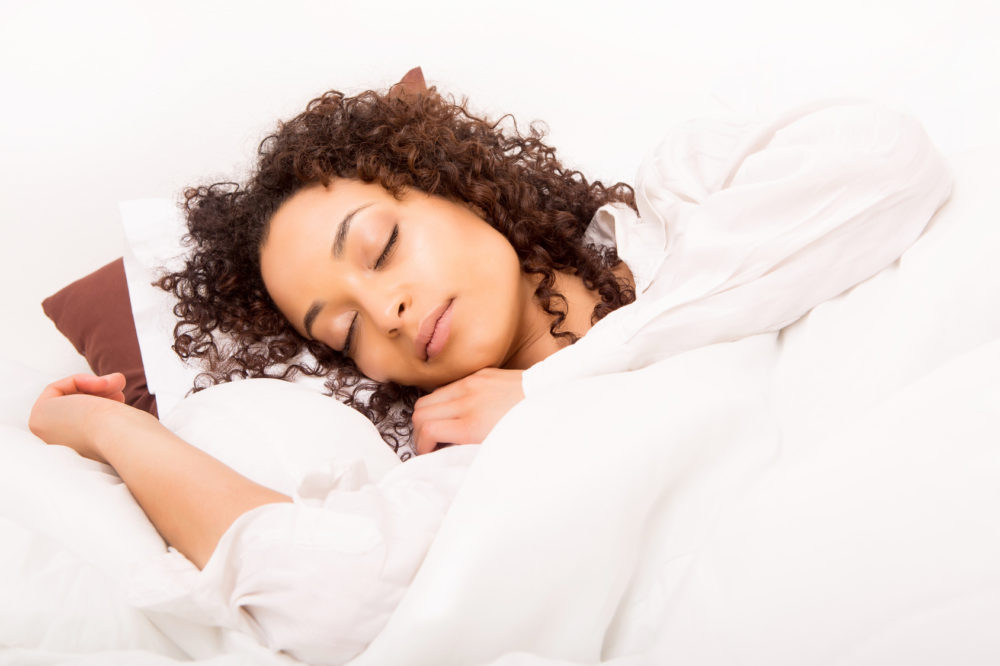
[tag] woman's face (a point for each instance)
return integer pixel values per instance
(420, 290)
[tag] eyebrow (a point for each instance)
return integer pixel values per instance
(338, 250)
(345, 226)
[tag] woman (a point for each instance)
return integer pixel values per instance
(431, 250)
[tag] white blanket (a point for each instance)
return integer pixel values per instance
(725, 541)
(826, 494)
(823, 494)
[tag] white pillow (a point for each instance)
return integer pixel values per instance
(76, 502)
(276, 432)
(153, 229)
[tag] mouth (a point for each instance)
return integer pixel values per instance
(434, 332)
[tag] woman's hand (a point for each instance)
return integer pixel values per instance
(465, 411)
(67, 410)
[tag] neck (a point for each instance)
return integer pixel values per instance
(535, 341)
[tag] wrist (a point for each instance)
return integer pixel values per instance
(107, 421)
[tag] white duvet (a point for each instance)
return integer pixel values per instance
(826, 493)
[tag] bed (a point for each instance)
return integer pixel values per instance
(826, 493)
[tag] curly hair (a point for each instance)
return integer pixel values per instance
(428, 142)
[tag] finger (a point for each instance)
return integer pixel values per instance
(450, 409)
(65, 386)
(105, 386)
(452, 391)
(434, 433)
(114, 387)
(115, 381)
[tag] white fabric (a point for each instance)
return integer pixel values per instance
(683, 537)
(155, 229)
(80, 555)
(823, 495)
(743, 227)
(319, 578)
(350, 545)
(275, 432)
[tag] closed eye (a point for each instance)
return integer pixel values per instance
(388, 247)
(349, 341)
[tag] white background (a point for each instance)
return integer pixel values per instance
(103, 101)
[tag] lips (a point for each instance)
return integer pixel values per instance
(434, 331)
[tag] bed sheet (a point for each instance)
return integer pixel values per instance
(845, 511)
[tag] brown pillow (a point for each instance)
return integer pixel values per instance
(95, 313)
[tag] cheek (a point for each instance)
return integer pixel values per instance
(381, 363)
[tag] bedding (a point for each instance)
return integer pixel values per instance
(822, 493)
(83, 533)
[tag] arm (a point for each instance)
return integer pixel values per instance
(190, 497)
(755, 224)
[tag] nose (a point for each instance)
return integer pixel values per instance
(388, 313)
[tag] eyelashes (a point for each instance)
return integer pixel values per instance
(389, 246)
(349, 341)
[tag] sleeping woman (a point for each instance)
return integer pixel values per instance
(439, 268)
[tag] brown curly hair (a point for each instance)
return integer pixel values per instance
(427, 141)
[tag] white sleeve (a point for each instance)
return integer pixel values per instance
(754, 224)
(319, 578)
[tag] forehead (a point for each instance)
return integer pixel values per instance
(316, 206)
(300, 237)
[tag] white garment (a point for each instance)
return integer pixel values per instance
(742, 228)
(745, 227)
(317, 578)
